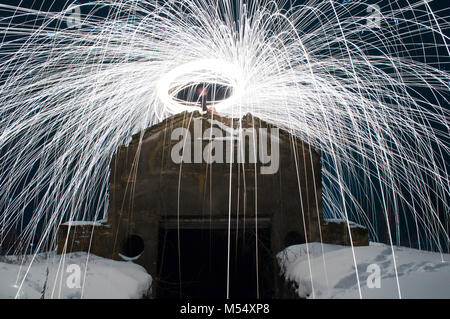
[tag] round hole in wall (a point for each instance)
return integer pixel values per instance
(133, 247)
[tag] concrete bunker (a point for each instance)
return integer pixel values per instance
(199, 198)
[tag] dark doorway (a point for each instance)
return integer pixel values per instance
(203, 259)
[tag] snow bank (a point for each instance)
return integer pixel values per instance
(421, 274)
(102, 278)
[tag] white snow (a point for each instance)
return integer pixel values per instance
(84, 223)
(126, 258)
(104, 278)
(339, 221)
(421, 274)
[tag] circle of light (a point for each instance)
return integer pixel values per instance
(229, 72)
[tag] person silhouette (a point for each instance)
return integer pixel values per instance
(203, 95)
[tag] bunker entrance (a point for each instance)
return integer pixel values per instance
(198, 251)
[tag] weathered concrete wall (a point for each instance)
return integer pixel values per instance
(147, 187)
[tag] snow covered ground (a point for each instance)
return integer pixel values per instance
(421, 274)
(104, 278)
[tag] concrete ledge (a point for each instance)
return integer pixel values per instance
(336, 232)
